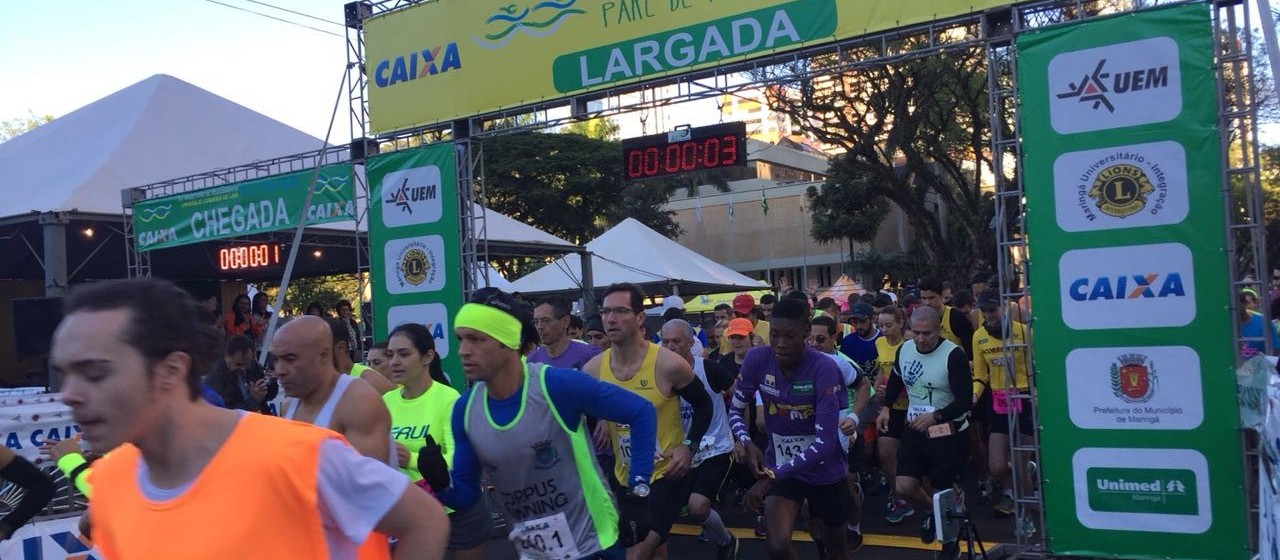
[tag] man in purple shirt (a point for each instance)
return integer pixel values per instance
(558, 349)
(801, 390)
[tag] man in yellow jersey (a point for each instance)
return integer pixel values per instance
(131, 353)
(990, 372)
(663, 378)
(342, 359)
(323, 397)
(955, 326)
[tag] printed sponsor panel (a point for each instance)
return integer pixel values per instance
(434, 316)
(1135, 388)
(1128, 287)
(1154, 490)
(415, 265)
(411, 197)
(1115, 86)
(1131, 186)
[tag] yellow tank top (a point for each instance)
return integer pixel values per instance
(645, 384)
(945, 331)
(886, 353)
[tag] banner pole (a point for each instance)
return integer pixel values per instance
(302, 225)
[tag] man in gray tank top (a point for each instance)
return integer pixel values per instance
(522, 425)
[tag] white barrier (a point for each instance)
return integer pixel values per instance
(57, 539)
(26, 421)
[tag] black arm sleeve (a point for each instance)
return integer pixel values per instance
(39, 490)
(961, 381)
(718, 378)
(963, 330)
(695, 393)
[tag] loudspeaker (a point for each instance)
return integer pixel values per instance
(34, 320)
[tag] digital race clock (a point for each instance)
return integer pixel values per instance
(237, 258)
(686, 149)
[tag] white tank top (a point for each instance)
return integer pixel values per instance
(718, 439)
(325, 417)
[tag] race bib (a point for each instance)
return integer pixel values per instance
(787, 448)
(624, 448)
(545, 538)
(705, 450)
(916, 410)
(1001, 398)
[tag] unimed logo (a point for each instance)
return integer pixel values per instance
(1125, 84)
(1162, 491)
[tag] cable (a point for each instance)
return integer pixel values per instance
(295, 12)
(274, 17)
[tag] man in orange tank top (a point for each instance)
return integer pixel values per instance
(223, 483)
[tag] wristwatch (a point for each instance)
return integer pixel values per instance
(640, 490)
(937, 417)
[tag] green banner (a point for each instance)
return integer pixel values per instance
(245, 208)
(416, 253)
(1125, 223)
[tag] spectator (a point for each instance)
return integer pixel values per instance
(353, 328)
(239, 380)
(240, 321)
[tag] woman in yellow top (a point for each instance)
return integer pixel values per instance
(421, 413)
(890, 322)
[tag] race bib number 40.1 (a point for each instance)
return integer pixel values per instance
(545, 538)
(787, 448)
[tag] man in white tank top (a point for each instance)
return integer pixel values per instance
(322, 396)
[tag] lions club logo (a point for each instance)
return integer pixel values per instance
(418, 264)
(1121, 190)
(1133, 378)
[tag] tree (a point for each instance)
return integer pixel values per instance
(600, 129)
(916, 133)
(12, 128)
(1271, 203)
(845, 208)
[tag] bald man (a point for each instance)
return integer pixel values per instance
(321, 395)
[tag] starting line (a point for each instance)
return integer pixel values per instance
(868, 539)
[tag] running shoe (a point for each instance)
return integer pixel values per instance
(854, 539)
(728, 551)
(899, 509)
(1005, 507)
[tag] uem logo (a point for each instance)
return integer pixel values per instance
(1127, 287)
(1115, 86)
(1093, 88)
(414, 65)
(412, 196)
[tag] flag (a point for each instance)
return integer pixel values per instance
(764, 203)
(697, 212)
(731, 209)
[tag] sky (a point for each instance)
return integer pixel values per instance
(60, 55)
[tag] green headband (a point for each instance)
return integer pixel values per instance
(492, 321)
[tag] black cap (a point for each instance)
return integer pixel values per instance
(861, 310)
(594, 324)
(989, 299)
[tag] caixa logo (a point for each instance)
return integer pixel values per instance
(1156, 285)
(1128, 287)
(417, 64)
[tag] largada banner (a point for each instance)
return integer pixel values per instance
(447, 59)
(416, 253)
(248, 207)
(1135, 357)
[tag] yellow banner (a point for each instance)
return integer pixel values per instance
(450, 59)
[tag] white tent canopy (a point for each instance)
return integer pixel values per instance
(154, 130)
(631, 252)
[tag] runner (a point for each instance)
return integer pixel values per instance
(342, 359)
(711, 463)
(890, 324)
(662, 378)
(801, 390)
(531, 416)
(935, 375)
(321, 396)
(822, 337)
(558, 349)
(989, 371)
(376, 358)
(130, 354)
(421, 412)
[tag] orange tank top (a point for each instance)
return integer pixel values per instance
(246, 504)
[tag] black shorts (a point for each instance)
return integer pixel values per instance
(710, 475)
(638, 516)
(471, 527)
(830, 503)
(941, 459)
(981, 411)
(897, 423)
(1000, 422)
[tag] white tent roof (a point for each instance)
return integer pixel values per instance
(631, 252)
(157, 129)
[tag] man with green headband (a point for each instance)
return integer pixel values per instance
(522, 424)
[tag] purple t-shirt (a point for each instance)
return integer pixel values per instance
(802, 414)
(576, 355)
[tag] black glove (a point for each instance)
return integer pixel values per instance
(432, 466)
